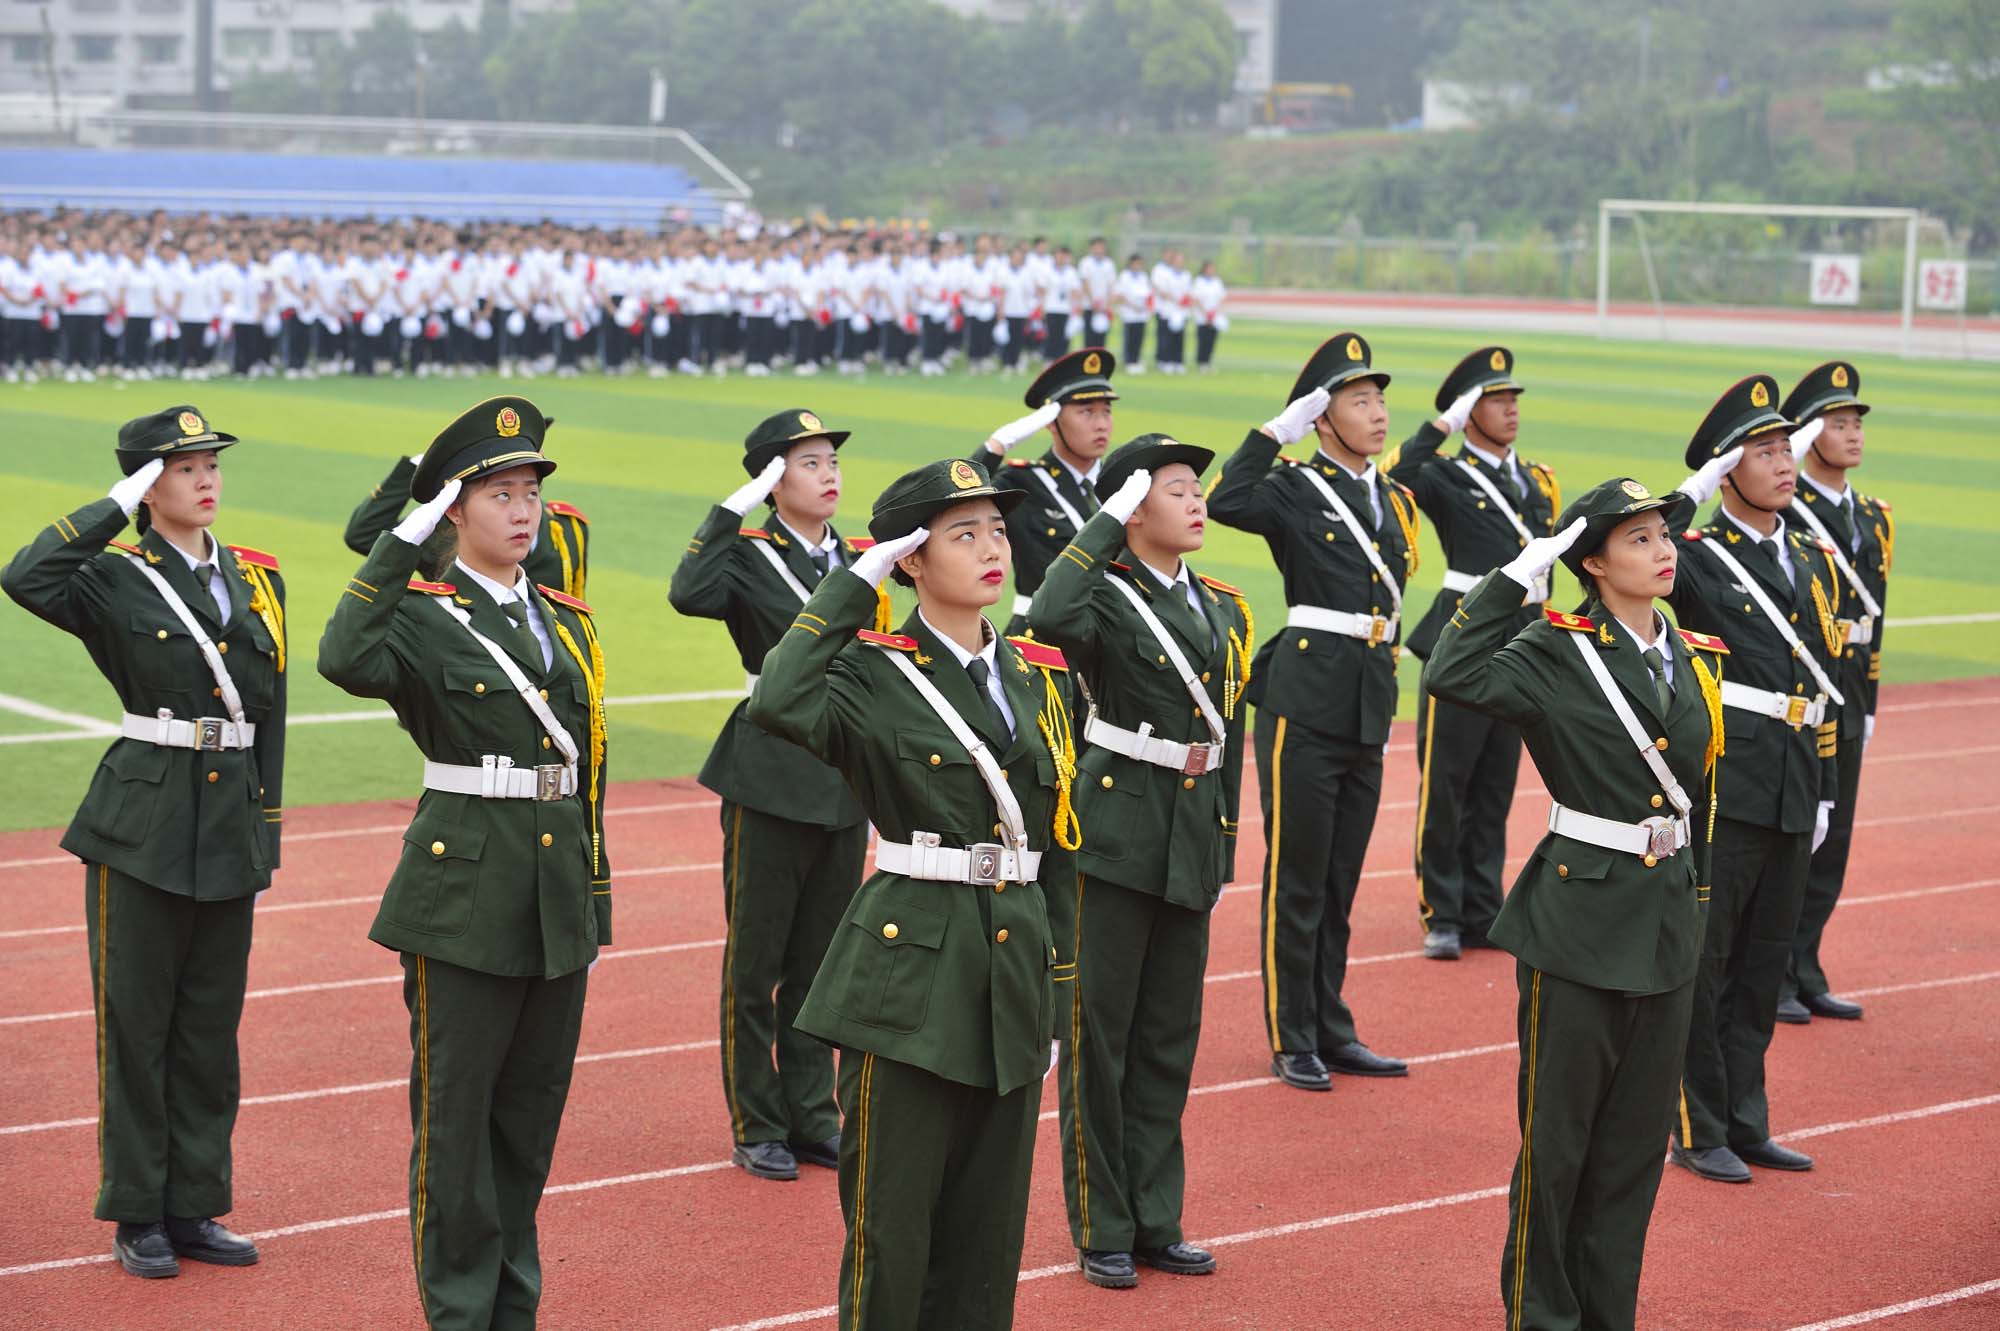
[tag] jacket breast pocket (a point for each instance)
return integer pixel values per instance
(437, 879)
(486, 703)
(893, 949)
(948, 774)
(125, 792)
(164, 656)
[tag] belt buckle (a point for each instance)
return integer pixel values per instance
(208, 733)
(548, 783)
(1659, 838)
(1196, 763)
(1378, 630)
(983, 863)
(1795, 711)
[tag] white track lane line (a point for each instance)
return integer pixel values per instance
(1898, 1309)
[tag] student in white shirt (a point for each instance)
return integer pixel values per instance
(1063, 286)
(1132, 298)
(1208, 294)
(1100, 276)
(1170, 308)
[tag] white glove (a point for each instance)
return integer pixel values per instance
(873, 564)
(128, 492)
(1867, 730)
(1130, 495)
(1538, 556)
(1460, 411)
(1295, 422)
(1013, 432)
(416, 459)
(1821, 822)
(757, 489)
(424, 518)
(1802, 438)
(1701, 486)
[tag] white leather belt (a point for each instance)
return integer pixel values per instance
(982, 865)
(1023, 604)
(1456, 580)
(1655, 839)
(208, 733)
(1860, 630)
(1795, 710)
(1143, 745)
(498, 779)
(1368, 628)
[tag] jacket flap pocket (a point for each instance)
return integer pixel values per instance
(138, 761)
(156, 621)
(442, 839)
(483, 680)
(931, 750)
(895, 923)
(1573, 860)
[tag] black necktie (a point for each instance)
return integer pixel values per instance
(1853, 523)
(1514, 486)
(819, 562)
(980, 672)
(518, 613)
(1661, 693)
(1192, 620)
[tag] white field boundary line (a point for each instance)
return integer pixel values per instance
(1898, 1309)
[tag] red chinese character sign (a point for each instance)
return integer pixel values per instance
(1941, 284)
(1836, 279)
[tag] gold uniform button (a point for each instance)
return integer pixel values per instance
(1204, 676)
(1163, 660)
(1302, 644)
(544, 693)
(161, 635)
(1106, 783)
(1562, 871)
(998, 830)
(1187, 783)
(1330, 536)
(216, 693)
(223, 647)
(999, 887)
(890, 930)
(1651, 861)
(1000, 937)
(437, 847)
(1003, 774)
(1052, 531)
(479, 688)
(546, 741)
(1656, 801)
(548, 840)
(214, 777)
(1660, 743)
(936, 759)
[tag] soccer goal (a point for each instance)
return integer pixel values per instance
(1757, 254)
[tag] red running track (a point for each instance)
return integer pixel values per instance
(1380, 1205)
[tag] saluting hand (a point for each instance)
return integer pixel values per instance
(873, 564)
(1701, 486)
(424, 518)
(1123, 504)
(1295, 422)
(1802, 438)
(1540, 555)
(757, 489)
(1460, 411)
(128, 492)
(1014, 431)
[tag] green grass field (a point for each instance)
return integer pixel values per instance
(645, 459)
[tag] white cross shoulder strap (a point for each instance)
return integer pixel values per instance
(1141, 744)
(984, 864)
(1537, 593)
(211, 733)
(496, 777)
(777, 562)
(1777, 618)
(1839, 559)
(1069, 509)
(1655, 837)
(1360, 535)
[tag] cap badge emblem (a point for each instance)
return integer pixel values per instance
(1354, 349)
(190, 423)
(1499, 360)
(1760, 396)
(808, 421)
(1634, 489)
(1840, 376)
(964, 477)
(1093, 363)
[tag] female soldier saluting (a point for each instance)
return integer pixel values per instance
(179, 831)
(502, 896)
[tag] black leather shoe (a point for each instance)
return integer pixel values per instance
(1718, 1163)
(825, 1154)
(1791, 1012)
(1826, 1005)
(1303, 1071)
(1441, 944)
(1107, 1270)
(145, 1251)
(1356, 1059)
(766, 1160)
(205, 1241)
(1181, 1259)
(1767, 1154)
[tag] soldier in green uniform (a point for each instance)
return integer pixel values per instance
(939, 985)
(1158, 788)
(502, 895)
(1072, 400)
(1324, 685)
(180, 828)
(1623, 719)
(793, 838)
(1753, 579)
(1486, 503)
(1861, 532)
(558, 557)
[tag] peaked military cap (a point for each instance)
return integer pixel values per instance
(1341, 359)
(1152, 452)
(499, 433)
(776, 434)
(1602, 507)
(1081, 376)
(1490, 369)
(1749, 407)
(176, 430)
(1825, 388)
(915, 497)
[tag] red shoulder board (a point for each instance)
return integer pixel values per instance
(1707, 642)
(563, 598)
(563, 510)
(1122, 568)
(1289, 462)
(432, 588)
(1562, 619)
(1040, 654)
(859, 543)
(1691, 534)
(1219, 585)
(120, 545)
(1882, 504)
(757, 533)
(257, 557)
(895, 640)
(1019, 462)
(1825, 546)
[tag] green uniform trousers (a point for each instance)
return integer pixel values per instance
(167, 975)
(489, 1072)
(1127, 1058)
(1824, 879)
(1753, 914)
(785, 887)
(934, 1187)
(1596, 1095)
(1319, 796)
(1466, 766)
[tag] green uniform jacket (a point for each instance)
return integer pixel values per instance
(502, 886)
(1038, 527)
(197, 824)
(1594, 916)
(560, 559)
(1773, 776)
(1151, 830)
(951, 978)
(1477, 537)
(1861, 662)
(723, 576)
(1327, 682)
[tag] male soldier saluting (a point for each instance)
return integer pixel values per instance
(1487, 504)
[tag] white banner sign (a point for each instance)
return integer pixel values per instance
(1941, 284)
(1836, 279)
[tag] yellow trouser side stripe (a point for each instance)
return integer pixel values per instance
(1687, 1128)
(1424, 802)
(1271, 886)
(423, 1120)
(103, 1011)
(1527, 1149)
(735, 889)
(861, 1182)
(1076, 1079)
